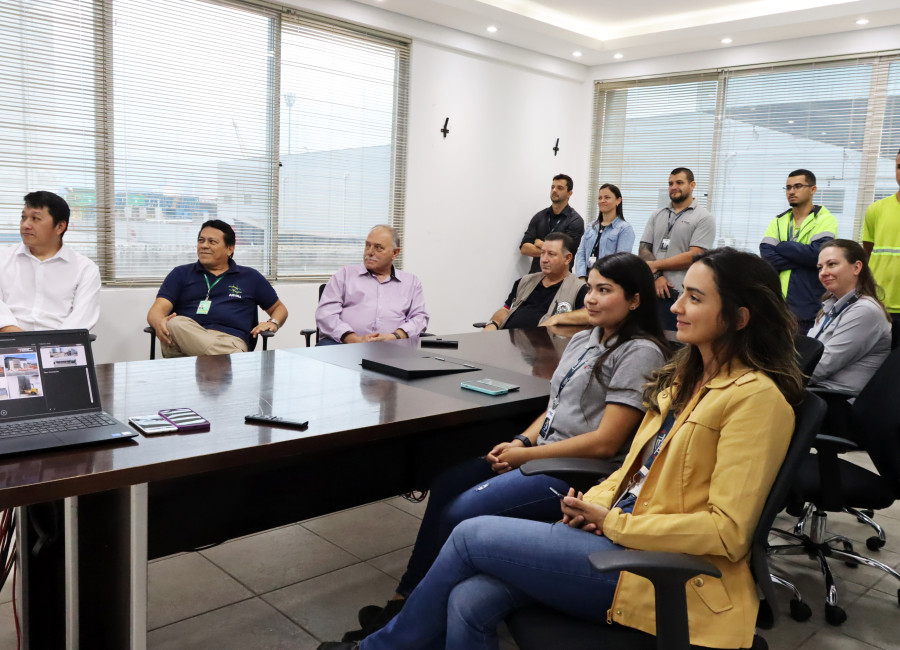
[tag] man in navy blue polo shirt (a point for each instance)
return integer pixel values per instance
(209, 307)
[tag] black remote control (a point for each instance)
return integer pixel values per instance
(275, 420)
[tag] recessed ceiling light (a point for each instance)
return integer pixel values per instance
(618, 55)
(492, 29)
(726, 41)
(862, 21)
(576, 54)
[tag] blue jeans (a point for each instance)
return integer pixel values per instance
(469, 490)
(324, 340)
(489, 567)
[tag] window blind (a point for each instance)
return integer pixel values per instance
(343, 125)
(746, 130)
(150, 118)
(648, 128)
(49, 119)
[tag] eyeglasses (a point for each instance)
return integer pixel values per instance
(796, 187)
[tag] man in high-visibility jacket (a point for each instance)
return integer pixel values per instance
(881, 240)
(792, 244)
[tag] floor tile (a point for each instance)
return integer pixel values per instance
(808, 579)
(832, 639)
(368, 531)
(415, 509)
(326, 606)
(250, 624)
(278, 558)
(393, 564)
(7, 626)
(875, 619)
(187, 585)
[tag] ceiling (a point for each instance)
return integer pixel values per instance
(643, 28)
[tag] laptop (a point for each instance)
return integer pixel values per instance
(48, 393)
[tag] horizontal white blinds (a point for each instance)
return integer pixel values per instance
(648, 129)
(342, 106)
(151, 118)
(747, 130)
(49, 124)
(192, 84)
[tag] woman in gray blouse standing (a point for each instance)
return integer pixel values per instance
(853, 324)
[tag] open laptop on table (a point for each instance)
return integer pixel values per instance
(48, 393)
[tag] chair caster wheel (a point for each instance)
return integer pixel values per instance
(848, 548)
(835, 615)
(874, 543)
(800, 611)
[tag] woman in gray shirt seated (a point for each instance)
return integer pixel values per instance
(853, 324)
(595, 407)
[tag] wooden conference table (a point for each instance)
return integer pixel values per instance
(96, 514)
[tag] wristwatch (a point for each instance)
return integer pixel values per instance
(277, 324)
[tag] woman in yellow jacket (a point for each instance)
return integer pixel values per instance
(694, 481)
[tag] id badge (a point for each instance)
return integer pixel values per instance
(203, 307)
(591, 261)
(664, 246)
(548, 421)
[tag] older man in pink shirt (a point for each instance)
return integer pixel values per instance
(372, 301)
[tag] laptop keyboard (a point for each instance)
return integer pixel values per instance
(49, 425)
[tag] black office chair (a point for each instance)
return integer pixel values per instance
(830, 484)
(266, 335)
(539, 627)
(809, 353)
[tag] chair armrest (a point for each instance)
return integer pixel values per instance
(480, 324)
(668, 572)
(150, 330)
(593, 468)
(307, 333)
(425, 335)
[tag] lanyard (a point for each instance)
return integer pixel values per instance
(832, 315)
(209, 287)
(570, 374)
(641, 474)
(600, 229)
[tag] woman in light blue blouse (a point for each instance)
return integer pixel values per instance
(610, 233)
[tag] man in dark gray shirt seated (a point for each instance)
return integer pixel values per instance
(553, 296)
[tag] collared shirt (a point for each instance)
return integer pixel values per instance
(882, 227)
(234, 296)
(857, 341)
(583, 399)
(546, 221)
(62, 292)
(355, 300)
(693, 226)
(617, 236)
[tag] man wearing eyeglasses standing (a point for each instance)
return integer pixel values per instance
(792, 244)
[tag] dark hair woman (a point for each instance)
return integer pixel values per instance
(610, 233)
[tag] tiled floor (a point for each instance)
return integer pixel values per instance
(301, 584)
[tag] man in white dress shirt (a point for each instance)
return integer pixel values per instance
(44, 284)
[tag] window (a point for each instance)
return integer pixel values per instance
(746, 132)
(151, 118)
(647, 130)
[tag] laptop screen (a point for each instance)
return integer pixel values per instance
(45, 373)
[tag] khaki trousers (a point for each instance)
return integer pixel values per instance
(190, 339)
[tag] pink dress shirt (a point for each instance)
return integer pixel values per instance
(354, 300)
